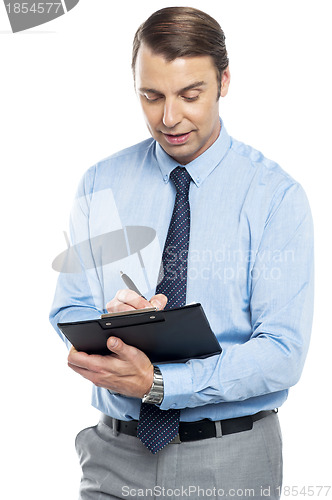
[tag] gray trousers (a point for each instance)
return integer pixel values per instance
(243, 465)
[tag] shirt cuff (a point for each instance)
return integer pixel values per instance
(178, 385)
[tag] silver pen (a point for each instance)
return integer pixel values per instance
(130, 284)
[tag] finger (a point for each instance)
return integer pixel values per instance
(87, 374)
(115, 344)
(132, 298)
(159, 301)
(116, 306)
(81, 371)
(126, 300)
(89, 362)
(123, 350)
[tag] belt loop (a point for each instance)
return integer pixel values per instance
(176, 440)
(218, 428)
(115, 427)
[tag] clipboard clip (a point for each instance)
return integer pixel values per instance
(126, 313)
(144, 317)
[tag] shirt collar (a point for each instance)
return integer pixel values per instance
(202, 166)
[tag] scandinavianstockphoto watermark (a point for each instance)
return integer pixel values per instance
(218, 261)
(27, 14)
(195, 491)
(227, 274)
(225, 254)
(227, 265)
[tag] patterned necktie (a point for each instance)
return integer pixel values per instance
(156, 428)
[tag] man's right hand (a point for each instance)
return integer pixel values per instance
(126, 300)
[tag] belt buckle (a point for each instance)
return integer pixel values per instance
(176, 440)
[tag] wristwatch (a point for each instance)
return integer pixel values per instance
(156, 393)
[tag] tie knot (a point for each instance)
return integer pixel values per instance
(181, 179)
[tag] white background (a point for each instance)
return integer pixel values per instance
(67, 101)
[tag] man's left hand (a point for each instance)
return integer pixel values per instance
(126, 370)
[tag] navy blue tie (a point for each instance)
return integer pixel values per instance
(156, 428)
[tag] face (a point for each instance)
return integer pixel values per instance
(179, 102)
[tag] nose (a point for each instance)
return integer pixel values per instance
(172, 113)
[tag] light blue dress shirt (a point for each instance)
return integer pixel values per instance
(250, 266)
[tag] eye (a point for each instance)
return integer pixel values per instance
(152, 97)
(191, 97)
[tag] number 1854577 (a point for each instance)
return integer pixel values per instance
(35, 8)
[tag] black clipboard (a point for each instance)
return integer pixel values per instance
(171, 336)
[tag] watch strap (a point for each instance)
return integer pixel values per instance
(156, 393)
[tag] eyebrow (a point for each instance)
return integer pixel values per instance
(184, 89)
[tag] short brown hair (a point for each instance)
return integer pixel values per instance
(182, 32)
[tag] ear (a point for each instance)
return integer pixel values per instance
(225, 81)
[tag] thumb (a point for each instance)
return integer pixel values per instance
(159, 301)
(115, 344)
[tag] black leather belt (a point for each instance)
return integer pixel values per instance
(193, 431)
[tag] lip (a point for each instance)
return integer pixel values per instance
(177, 139)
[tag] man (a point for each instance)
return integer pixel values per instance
(249, 263)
